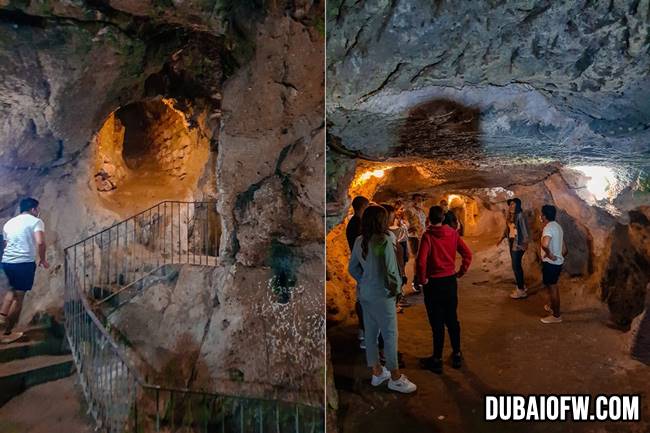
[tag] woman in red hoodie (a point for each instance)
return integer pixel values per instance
(435, 269)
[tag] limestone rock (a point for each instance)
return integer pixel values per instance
(626, 277)
(545, 80)
(266, 215)
(67, 65)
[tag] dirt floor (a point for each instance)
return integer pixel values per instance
(507, 350)
(53, 407)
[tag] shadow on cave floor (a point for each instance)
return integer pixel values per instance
(506, 349)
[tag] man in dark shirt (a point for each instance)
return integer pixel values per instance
(352, 231)
(450, 218)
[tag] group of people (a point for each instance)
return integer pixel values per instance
(553, 252)
(382, 237)
(23, 242)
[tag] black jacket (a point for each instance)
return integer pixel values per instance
(353, 230)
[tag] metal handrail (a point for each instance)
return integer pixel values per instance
(101, 329)
(120, 399)
(135, 216)
(126, 287)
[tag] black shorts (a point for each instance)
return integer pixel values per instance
(20, 275)
(550, 273)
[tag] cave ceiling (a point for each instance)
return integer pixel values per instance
(492, 83)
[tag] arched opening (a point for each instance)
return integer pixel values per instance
(147, 152)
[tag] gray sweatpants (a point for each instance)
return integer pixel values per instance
(379, 315)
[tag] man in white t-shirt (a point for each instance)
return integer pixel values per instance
(24, 238)
(553, 254)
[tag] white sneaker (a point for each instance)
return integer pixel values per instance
(519, 294)
(551, 319)
(402, 385)
(361, 335)
(548, 308)
(362, 345)
(383, 377)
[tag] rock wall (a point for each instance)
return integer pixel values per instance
(109, 162)
(625, 282)
(547, 80)
(248, 78)
(221, 329)
(271, 206)
(258, 329)
(66, 68)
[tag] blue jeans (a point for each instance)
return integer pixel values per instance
(405, 251)
(516, 257)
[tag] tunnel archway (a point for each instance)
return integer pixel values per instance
(494, 326)
(146, 152)
(478, 195)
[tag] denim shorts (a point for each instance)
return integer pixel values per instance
(20, 275)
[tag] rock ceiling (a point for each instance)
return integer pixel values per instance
(494, 81)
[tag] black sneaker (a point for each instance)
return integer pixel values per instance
(432, 364)
(457, 360)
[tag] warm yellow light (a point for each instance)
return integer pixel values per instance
(451, 198)
(169, 102)
(601, 180)
(373, 173)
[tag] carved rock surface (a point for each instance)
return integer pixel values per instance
(625, 284)
(521, 79)
(255, 98)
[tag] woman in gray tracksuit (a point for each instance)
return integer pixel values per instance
(373, 264)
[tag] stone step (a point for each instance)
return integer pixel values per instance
(37, 332)
(36, 341)
(27, 349)
(33, 411)
(20, 374)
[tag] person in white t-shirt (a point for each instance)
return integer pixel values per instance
(24, 239)
(554, 252)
